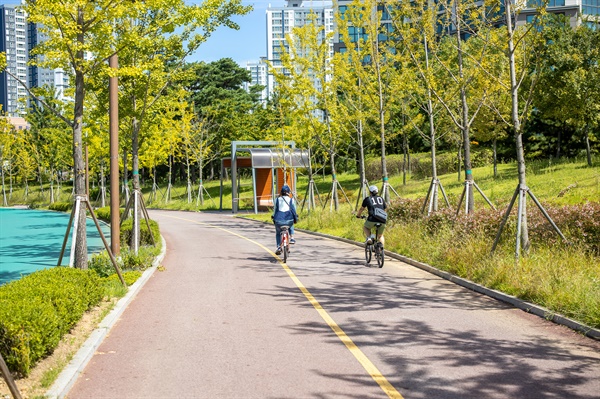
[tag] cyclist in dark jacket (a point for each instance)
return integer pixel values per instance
(370, 203)
(284, 214)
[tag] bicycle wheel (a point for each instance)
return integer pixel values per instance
(285, 252)
(379, 254)
(368, 253)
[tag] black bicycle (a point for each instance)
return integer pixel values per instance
(374, 246)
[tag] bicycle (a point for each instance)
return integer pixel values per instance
(285, 242)
(373, 245)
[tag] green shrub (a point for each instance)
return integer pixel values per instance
(61, 206)
(127, 261)
(579, 223)
(102, 264)
(103, 213)
(37, 310)
(145, 238)
(130, 277)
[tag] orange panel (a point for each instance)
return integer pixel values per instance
(264, 187)
(289, 181)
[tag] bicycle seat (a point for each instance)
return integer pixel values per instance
(284, 228)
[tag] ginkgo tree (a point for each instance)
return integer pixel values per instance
(464, 93)
(83, 34)
(154, 66)
(8, 141)
(308, 68)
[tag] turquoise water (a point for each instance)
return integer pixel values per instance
(31, 240)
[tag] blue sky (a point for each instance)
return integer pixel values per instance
(249, 43)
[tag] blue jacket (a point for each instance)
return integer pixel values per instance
(285, 210)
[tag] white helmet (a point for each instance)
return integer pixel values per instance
(373, 189)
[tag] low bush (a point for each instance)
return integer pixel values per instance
(145, 235)
(103, 213)
(127, 261)
(61, 206)
(580, 223)
(37, 310)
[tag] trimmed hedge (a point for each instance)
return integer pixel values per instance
(61, 206)
(145, 238)
(37, 310)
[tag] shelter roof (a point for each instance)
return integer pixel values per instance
(277, 157)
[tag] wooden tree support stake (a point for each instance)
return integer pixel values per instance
(12, 386)
(78, 200)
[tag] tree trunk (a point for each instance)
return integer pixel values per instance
(434, 192)
(361, 160)
(588, 150)
(465, 115)
(558, 142)
(80, 256)
(4, 201)
(517, 124)
(136, 211)
(495, 157)
(404, 158)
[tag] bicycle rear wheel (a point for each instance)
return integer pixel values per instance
(379, 254)
(285, 252)
(368, 253)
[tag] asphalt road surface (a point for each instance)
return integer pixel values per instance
(227, 319)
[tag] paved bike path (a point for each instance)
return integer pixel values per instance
(227, 320)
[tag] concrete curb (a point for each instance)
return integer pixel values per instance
(69, 375)
(512, 300)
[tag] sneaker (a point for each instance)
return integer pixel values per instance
(292, 241)
(368, 242)
(278, 251)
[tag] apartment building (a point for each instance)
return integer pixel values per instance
(13, 41)
(575, 10)
(17, 38)
(39, 77)
(259, 74)
(282, 20)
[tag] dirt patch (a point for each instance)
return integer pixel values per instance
(47, 370)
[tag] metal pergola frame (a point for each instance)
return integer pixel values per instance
(270, 155)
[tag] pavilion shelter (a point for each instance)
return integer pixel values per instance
(272, 164)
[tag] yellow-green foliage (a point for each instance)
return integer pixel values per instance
(146, 236)
(37, 310)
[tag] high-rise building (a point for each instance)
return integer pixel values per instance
(281, 21)
(258, 72)
(39, 77)
(573, 9)
(13, 41)
(17, 38)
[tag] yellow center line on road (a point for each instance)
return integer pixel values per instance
(373, 371)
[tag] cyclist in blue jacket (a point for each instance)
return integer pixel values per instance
(284, 214)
